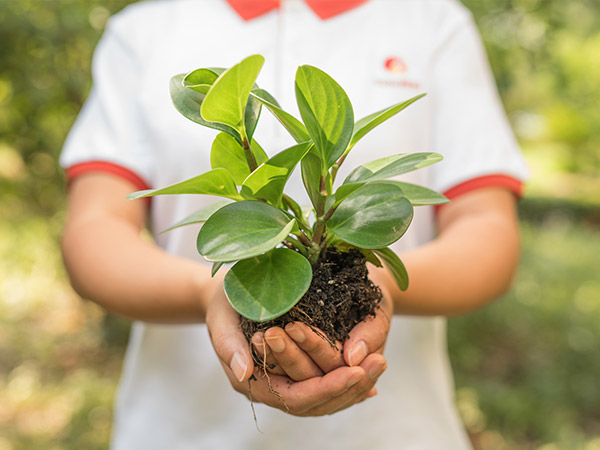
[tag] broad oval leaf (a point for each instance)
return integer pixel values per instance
(366, 124)
(199, 216)
(373, 216)
(395, 266)
(243, 230)
(251, 116)
(200, 80)
(188, 102)
(226, 152)
(226, 100)
(390, 166)
(214, 182)
(296, 129)
(268, 286)
(268, 180)
(326, 112)
(371, 257)
(419, 195)
(311, 175)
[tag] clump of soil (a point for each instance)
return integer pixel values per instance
(339, 297)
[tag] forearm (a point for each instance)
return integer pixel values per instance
(469, 264)
(110, 263)
(128, 276)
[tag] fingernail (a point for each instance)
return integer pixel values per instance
(258, 338)
(295, 333)
(238, 366)
(353, 380)
(358, 352)
(275, 343)
(377, 370)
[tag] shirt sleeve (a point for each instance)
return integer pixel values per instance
(108, 134)
(470, 127)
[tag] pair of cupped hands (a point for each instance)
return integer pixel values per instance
(310, 376)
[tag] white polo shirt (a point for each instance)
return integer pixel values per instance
(173, 392)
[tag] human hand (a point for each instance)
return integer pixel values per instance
(300, 353)
(318, 395)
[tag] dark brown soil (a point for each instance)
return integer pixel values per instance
(339, 297)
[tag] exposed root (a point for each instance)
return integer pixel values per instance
(252, 378)
(266, 374)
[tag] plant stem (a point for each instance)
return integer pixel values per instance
(295, 243)
(336, 166)
(304, 239)
(329, 213)
(320, 226)
(250, 159)
(295, 209)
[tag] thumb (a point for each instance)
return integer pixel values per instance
(367, 337)
(227, 338)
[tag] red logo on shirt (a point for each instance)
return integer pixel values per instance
(395, 65)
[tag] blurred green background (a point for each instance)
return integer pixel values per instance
(527, 367)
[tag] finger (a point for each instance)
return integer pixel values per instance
(368, 336)
(291, 358)
(264, 355)
(227, 338)
(374, 365)
(320, 350)
(298, 397)
(371, 393)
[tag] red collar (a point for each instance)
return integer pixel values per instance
(249, 9)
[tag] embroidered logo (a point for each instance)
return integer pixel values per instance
(395, 65)
(394, 74)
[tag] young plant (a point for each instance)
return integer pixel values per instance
(272, 240)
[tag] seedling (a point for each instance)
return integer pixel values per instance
(273, 241)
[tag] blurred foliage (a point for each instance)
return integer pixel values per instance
(58, 372)
(545, 57)
(45, 49)
(526, 369)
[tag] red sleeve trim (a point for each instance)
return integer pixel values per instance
(107, 167)
(512, 184)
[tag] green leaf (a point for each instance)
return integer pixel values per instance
(419, 195)
(268, 180)
(214, 182)
(226, 152)
(226, 100)
(395, 266)
(215, 268)
(390, 166)
(251, 116)
(296, 129)
(242, 230)
(199, 216)
(200, 80)
(373, 216)
(188, 102)
(311, 175)
(366, 124)
(267, 286)
(326, 112)
(371, 257)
